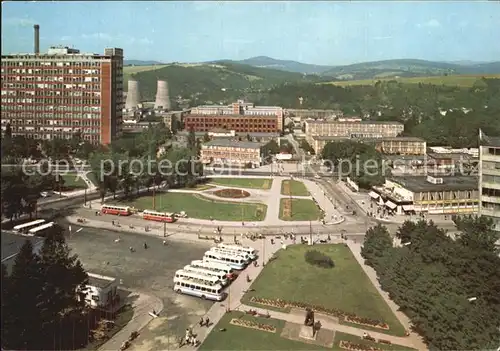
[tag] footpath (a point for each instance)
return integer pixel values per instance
(239, 287)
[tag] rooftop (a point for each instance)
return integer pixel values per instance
(419, 184)
(232, 143)
(340, 138)
(231, 115)
(100, 281)
(322, 121)
(486, 140)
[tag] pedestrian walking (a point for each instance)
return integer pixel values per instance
(207, 322)
(201, 322)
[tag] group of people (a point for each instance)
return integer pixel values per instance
(190, 338)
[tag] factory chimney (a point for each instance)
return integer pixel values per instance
(36, 27)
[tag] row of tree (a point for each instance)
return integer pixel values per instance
(449, 288)
(42, 298)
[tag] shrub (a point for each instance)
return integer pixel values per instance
(319, 259)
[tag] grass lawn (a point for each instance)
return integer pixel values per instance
(197, 206)
(250, 183)
(345, 287)
(301, 210)
(293, 188)
(241, 338)
(73, 182)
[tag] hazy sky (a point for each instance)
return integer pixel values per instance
(328, 33)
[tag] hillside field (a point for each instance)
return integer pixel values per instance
(458, 80)
(129, 70)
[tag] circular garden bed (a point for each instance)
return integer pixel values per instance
(232, 193)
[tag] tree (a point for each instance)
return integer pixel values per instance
(206, 138)
(8, 131)
(304, 145)
(477, 233)
(191, 139)
(377, 244)
(21, 320)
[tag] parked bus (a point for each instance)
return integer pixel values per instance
(250, 251)
(197, 288)
(40, 230)
(235, 262)
(25, 227)
(159, 216)
(116, 210)
(206, 279)
(218, 274)
(216, 267)
(243, 255)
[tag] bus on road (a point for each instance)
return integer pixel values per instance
(235, 262)
(25, 227)
(216, 267)
(116, 210)
(39, 231)
(159, 216)
(197, 288)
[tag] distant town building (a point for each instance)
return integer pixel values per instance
(240, 116)
(62, 92)
(102, 291)
(489, 178)
(240, 153)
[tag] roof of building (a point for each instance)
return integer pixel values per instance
(418, 184)
(486, 140)
(451, 156)
(231, 115)
(340, 138)
(233, 143)
(11, 244)
(322, 121)
(100, 281)
(257, 135)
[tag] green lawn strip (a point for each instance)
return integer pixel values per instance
(356, 339)
(302, 210)
(344, 287)
(293, 188)
(73, 181)
(242, 338)
(250, 183)
(197, 206)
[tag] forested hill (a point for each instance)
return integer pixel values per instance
(224, 81)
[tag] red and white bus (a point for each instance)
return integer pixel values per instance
(159, 216)
(116, 210)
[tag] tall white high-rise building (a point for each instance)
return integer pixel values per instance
(489, 178)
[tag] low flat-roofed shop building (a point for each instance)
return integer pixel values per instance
(427, 194)
(353, 128)
(229, 152)
(102, 291)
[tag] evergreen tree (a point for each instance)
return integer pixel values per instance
(377, 243)
(21, 319)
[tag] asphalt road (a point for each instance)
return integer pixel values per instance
(147, 270)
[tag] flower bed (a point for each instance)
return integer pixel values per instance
(253, 325)
(347, 317)
(348, 345)
(231, 193)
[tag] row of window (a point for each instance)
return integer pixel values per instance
(36, 63)
(491, 192)
(69, 121)
(490, 206)
(491, 179)
(491, 165)
(60, 79)
(49, 94)
(91, 138)
(52, 100)
(56, 85)
(50, 71)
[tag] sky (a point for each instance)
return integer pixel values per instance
(325, 33)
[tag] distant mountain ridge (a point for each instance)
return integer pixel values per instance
(141, 63)
(376, 69)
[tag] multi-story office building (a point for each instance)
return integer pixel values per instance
(223, 151)
(240, 116)
(489, 178)
(62, 92)
(387, 146)
(351, 129)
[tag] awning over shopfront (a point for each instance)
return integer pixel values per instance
(391, 205)
(408, 208)
(373, 195)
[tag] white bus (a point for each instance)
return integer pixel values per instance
(41, 229)
(24, 228)
(216, 267)
(203, 271)
(235, 262)
(206, 279)
(243, 255)
(250, 251)
(197, 288)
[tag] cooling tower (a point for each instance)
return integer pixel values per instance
(162, 101)
(133, 98)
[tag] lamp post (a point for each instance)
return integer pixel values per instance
(164, 229)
